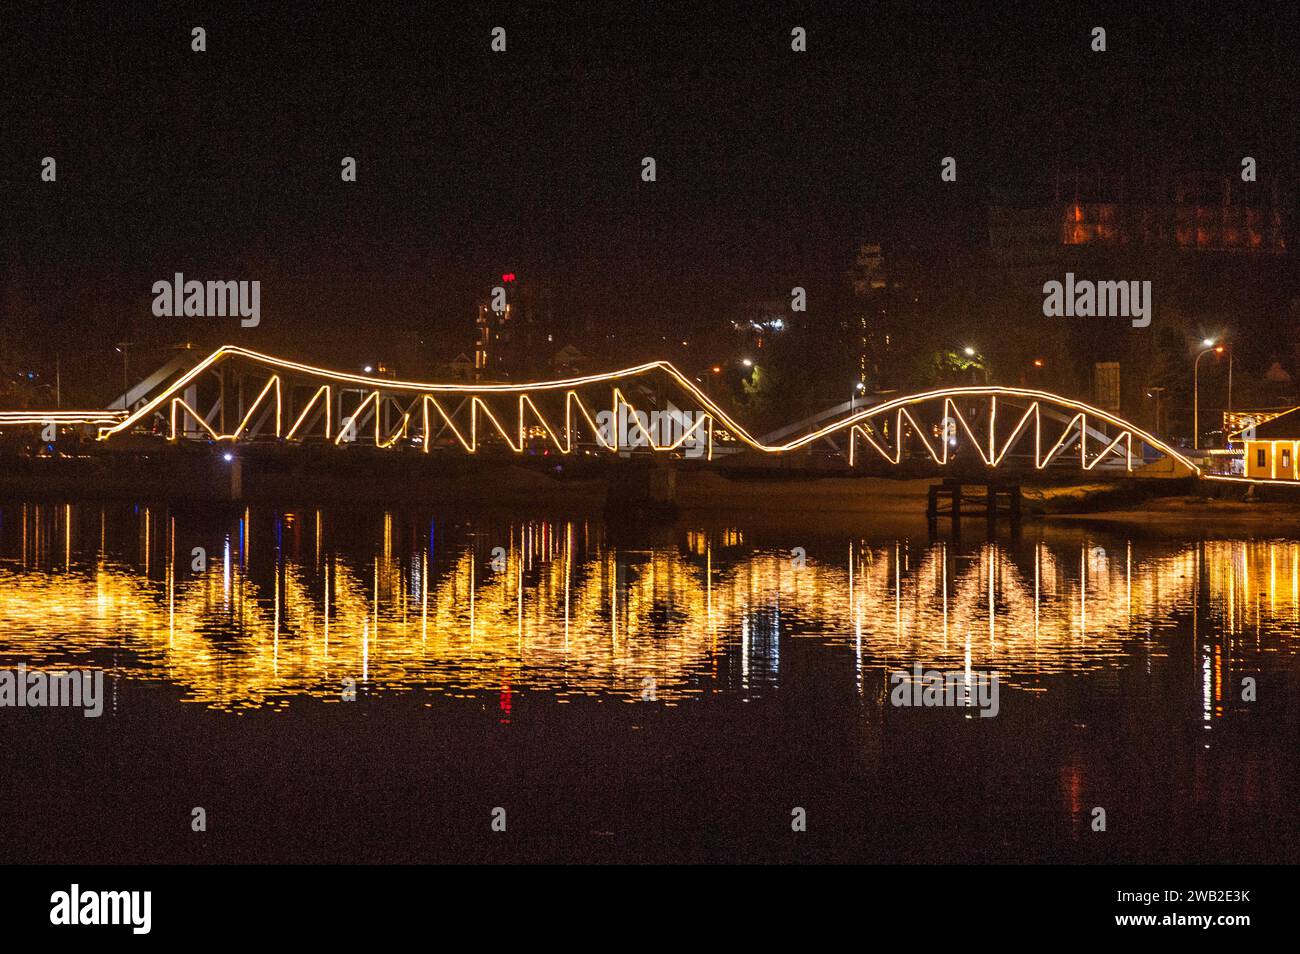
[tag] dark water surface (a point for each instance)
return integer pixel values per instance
(641, 693)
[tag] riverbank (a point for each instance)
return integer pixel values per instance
(617, 488)
(1189, 512)
(1183, 505)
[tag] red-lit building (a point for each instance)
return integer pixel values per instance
(514, 331)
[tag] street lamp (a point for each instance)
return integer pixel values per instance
(1231, 353)
(1196, 390)
(853, 395)
(714, 371)
(978, 362)
(122, 347)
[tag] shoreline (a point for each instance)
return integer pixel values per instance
(618, 489)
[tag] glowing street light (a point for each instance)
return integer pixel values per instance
(1196, 389)
(978, 363)
(747, 362)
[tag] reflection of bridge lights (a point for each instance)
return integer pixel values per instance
(413, 621)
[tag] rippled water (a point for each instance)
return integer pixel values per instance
(760, 656)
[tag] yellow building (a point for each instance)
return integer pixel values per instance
(1272, 448)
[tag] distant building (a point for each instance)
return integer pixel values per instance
(1190, 212)
(460, 368)
(1105, 385)
(870, 331)
(1276, 374)
(514, 330)
(569, 362)
(1216, 250)
(492, 340)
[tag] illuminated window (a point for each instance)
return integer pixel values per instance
(1286, 458)
(1260, 459)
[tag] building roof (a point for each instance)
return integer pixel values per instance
(1284, 427)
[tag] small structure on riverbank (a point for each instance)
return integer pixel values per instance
(1272, 447)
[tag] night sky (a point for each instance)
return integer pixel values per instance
(772, 165)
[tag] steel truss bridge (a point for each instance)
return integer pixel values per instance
(241, 396)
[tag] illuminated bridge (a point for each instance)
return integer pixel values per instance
(236, 395)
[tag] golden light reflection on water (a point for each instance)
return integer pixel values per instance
(554, 607)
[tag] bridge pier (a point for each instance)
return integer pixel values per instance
(644, 487)
(998, 499)
(233, 484)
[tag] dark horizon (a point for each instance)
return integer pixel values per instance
(772, 166)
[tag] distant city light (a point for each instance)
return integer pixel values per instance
(228, 457)
(368, 369)
(1038, 362)
(970, 352)
(1208, 342)
(508, 277)
(747, 362)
